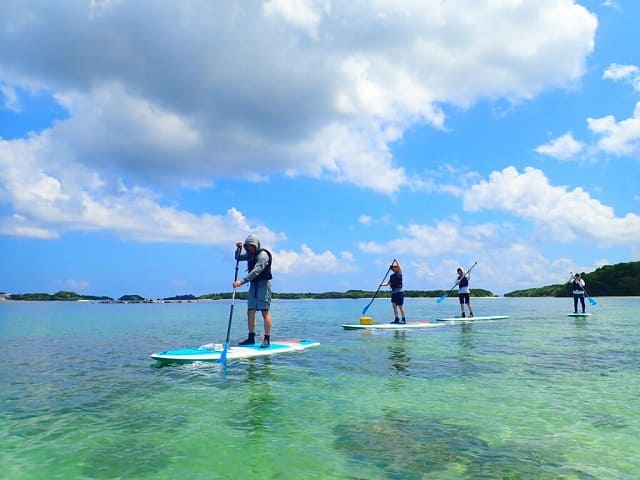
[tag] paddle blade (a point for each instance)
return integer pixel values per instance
(592, 301)
(223, 355)
(442, 298)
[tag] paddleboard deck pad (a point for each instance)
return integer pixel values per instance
(389, 326)
(578, 314)
(479, 317)
(211, 352)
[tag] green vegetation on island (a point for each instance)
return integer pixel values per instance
(58, 296)
(621, 279)
(349, 294)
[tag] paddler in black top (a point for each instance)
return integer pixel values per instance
(259, 277)
(577, 284)
(397, 293)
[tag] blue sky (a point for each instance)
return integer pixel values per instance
(139, 140)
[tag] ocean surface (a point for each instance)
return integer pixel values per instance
(536, 396)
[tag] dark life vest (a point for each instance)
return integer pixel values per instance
(265, 274)
(395, 282)
(464, 281)
(577, 286)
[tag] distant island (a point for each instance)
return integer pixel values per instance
(620, 280)
(349, 294)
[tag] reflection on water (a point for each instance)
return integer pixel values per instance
(257, 406)
(398, 353)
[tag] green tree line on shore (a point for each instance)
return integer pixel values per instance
(349, 294)
(621, 279)
(353, 294)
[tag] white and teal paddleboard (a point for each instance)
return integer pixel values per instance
(578, 314)
(389, 326)
(479, 317)
(211, 352)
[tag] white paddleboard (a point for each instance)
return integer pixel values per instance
(389, 326)
(578, 314)
(479, 317)
(211, 352)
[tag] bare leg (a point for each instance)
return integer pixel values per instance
(251, 321)
(266, 315)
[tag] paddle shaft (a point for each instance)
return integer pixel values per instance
(364, 310)
(454, 285)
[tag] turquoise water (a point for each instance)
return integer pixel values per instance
(536, 396)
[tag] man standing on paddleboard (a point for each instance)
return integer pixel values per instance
(397, 293)
(577, 284)
(463, 290)
(259, 277)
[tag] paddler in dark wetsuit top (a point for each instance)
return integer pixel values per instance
(397, 293)
(259, 296)
(462, 280)
(577, 284)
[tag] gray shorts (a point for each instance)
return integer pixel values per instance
(259, 296)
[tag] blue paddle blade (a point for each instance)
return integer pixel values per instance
(223, 355)
(442, 298)
(592, 301)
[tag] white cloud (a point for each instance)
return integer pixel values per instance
(629, 73)
(365, 220)
(180, 94)
(306, 262)
(11, 100)
(506, 261)
(567, 215)
(424, 241)
(77, 200)
(368, 220)
(620, 72)
(562, 148)
(618, 138)
(301, 13)
(610, 4)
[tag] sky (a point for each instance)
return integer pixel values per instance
(139, 140)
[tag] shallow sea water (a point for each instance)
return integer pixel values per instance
(538, 395)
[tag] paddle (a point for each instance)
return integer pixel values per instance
(364, 310)
(223, 355)
(444, 297)
(592, 301)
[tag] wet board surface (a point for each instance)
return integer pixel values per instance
(478, 317)
(208, 353)
(390, 326)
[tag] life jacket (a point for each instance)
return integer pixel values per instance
(577, 286)
(265, 274)
(395, 282)
(464, 281)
